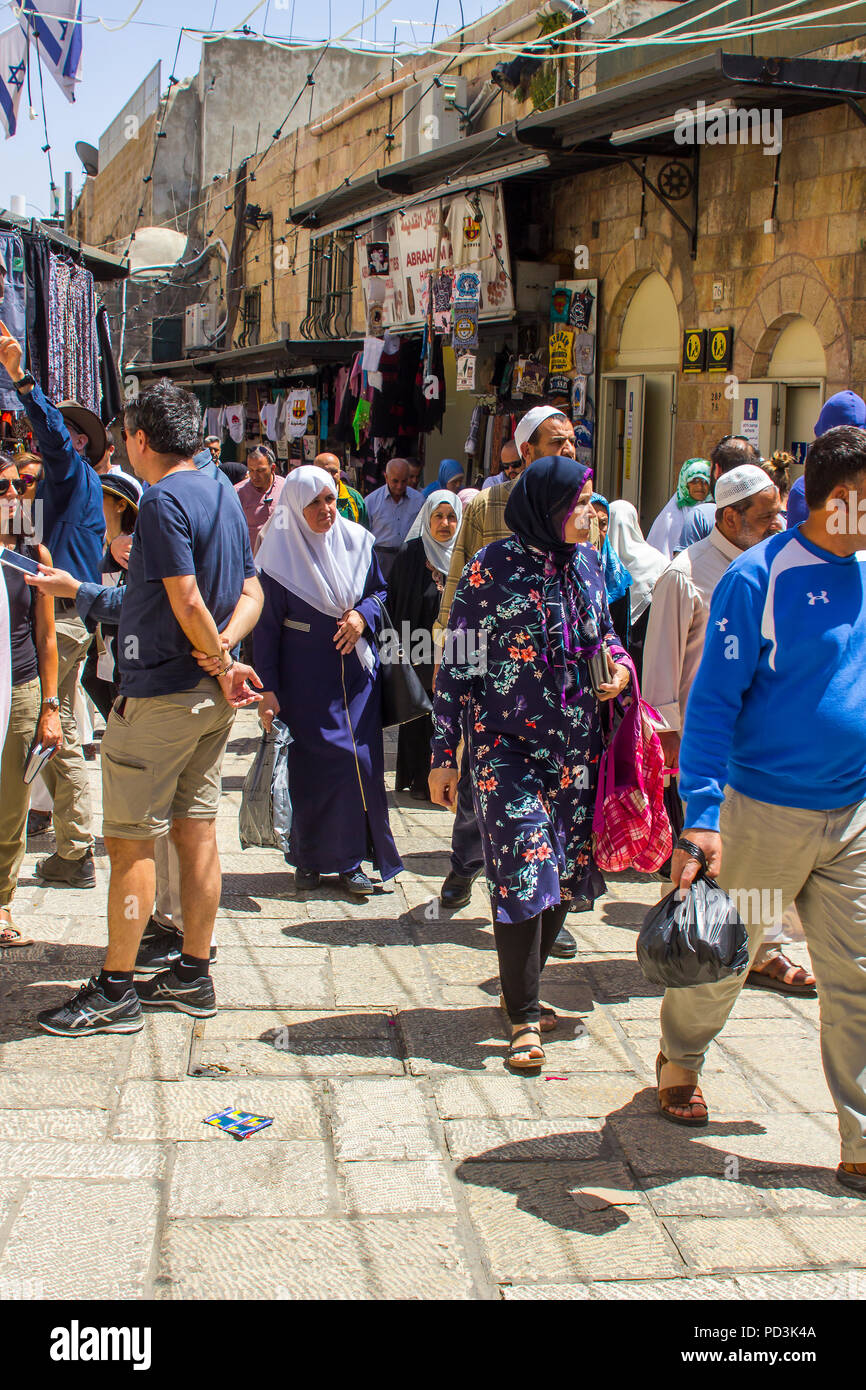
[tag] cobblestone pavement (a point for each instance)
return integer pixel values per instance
(404, 1160)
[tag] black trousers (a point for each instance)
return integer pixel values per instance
(523, 948)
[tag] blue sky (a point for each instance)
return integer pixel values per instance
(115, 63)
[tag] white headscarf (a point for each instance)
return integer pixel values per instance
(438, 554)
(327, 571)
(643, 562)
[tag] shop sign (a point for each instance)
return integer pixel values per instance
(420, 244)
(720, 349)
(694, 350)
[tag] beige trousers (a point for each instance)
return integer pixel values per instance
(14, 792)
(65, 776)
(817, 860)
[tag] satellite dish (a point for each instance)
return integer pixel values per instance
(88, 155)
(154, 250)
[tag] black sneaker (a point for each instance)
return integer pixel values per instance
(67, 873)
(155, 929)
(91, 1011)
(166, 991)
(357, 883)
(162, 953)
(565, 946)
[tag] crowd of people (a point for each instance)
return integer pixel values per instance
(532, 606)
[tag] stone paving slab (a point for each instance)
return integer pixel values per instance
(54, 1124)
(515, 1140)
(177, 1110)
(114, 1265)
(380, 1119)
(532, 1228)
(91, 1159)
(385, 1188)
(244, 1179)
(349, 1259)
(713, 1245)
(600, 1291)
(362, 1056)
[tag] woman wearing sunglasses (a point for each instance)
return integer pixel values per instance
(34, 717)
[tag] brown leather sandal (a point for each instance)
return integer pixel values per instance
(688, 1094)
(516, 1053)
(548, 1021)
(771, 975)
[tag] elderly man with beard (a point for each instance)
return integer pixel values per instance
(542, 433)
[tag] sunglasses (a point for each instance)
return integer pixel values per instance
(19, 485)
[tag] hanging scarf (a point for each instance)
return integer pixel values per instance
(327, 571)
(537, 510)
(438, 553)
(617, 579)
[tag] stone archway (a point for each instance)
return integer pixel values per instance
(628, 267)
(792, 288)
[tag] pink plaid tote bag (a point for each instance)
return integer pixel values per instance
(631, 829)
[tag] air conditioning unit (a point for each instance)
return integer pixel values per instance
(199, 321)
(435, 120)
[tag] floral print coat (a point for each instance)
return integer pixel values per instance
(533, 760)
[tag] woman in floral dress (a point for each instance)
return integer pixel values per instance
(532, 724)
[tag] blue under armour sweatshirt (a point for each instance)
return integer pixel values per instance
(777, 707)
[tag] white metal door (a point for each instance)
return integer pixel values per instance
(757, 414)
(632, 442)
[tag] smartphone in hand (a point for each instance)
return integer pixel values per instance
(16, 561)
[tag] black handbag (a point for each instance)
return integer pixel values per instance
(403, 696)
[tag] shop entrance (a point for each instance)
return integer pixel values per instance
(779, 412)
(638, 402)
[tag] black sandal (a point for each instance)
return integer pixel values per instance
(532, 1064)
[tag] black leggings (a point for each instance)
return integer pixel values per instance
(523, 948)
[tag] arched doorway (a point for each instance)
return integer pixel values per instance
(639, 400)
(779, 411)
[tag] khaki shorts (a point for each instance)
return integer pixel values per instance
(161, 759)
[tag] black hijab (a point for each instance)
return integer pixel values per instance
(540, 501)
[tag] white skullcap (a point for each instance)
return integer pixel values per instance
(531, 420)
(740, 483)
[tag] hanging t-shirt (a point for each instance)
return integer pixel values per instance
(469, 233)
(300, 406)
(268, 417)
(235, 419)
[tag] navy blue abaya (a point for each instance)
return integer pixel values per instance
(333, 708)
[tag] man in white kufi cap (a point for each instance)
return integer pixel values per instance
(748, 510)
(542, 432)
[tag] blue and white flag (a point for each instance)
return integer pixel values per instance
(13, 75)
(59, 38)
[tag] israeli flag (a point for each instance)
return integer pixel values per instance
(13, 74)
(59, 38)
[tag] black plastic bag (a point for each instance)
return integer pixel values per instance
(693, 938)
(265, 815)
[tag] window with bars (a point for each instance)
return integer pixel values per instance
(329, 286)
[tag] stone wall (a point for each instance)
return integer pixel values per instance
(814, 265)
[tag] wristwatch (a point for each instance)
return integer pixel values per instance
(51, 702)
(28, 379)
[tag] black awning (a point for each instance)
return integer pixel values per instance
(278, 358)
(576, 136)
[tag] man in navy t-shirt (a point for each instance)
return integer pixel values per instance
(191, 596)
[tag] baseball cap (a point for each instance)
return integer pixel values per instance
(741, 482)
(531, 420)
(845, 408)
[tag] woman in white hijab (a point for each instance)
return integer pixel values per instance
(315, 654)
(415, 587)
(644, 563)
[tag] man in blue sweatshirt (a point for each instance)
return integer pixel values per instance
(72, 525)
(785, 661)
